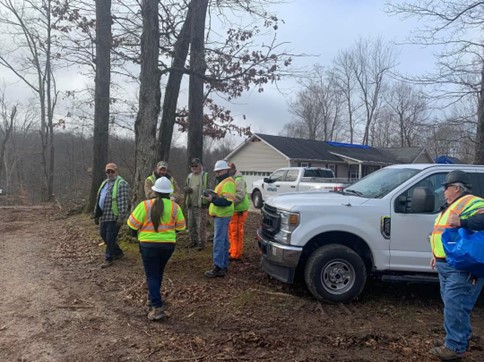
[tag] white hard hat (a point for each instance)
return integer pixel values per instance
(221, 165)
(163, 186)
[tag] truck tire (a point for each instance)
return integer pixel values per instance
(335, 273)
(257, 199)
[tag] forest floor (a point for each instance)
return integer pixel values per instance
(57, 304)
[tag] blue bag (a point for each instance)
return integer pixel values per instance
(465, 250)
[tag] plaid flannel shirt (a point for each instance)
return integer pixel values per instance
(123, 203)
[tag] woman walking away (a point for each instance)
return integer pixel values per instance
(156, 222)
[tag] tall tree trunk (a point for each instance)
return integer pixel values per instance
(101, 97)
(149, 98)
(479, 157)
(50, 107)
(197, 71)
(173, 87)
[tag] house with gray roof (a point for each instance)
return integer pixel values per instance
(261, 154)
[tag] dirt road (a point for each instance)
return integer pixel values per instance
(56, 304)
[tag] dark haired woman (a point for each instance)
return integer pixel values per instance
(156, 222)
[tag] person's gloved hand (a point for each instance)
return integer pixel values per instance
(188, 190)
(119, 223)
(96, 221)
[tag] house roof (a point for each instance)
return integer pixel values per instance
(300, 149)
(304, 149)
(404, 154)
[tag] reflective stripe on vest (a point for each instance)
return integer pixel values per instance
(140, 220)
(465, 207)
(114, 194)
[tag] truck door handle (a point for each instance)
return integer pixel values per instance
(293, 187)
(278, 185)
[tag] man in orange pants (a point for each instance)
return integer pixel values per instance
(241, 205)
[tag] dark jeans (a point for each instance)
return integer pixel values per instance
(155, 256)
(109, 232)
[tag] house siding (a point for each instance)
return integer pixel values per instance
(257, 160)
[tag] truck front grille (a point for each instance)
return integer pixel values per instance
(270, 222)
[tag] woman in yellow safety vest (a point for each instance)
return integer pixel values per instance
(156, 221)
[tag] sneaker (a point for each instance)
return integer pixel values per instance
(106, 264)
(446, 354)
(215, 272)
(156, 314)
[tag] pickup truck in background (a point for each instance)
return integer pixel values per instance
(377, 227)
(295, 179)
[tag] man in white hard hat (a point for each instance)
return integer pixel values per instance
(221, 208)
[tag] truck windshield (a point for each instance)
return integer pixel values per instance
(377, 184)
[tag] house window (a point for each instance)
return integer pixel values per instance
(304, 164)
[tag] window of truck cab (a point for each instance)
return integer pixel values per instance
(278, 175)
(434, 184)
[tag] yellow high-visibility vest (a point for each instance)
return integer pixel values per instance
(226, 189)
(172, 220)
(465, 207)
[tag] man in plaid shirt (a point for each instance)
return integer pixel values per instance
(111, 212)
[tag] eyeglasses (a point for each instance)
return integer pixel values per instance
(194, 165)
(110, 171)
(447, 186)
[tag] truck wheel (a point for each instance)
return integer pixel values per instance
(257, 199)
(335, 273)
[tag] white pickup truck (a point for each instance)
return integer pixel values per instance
(378, 227)
(295, 179)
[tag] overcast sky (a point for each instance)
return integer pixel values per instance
(322, 28)
(319, 28)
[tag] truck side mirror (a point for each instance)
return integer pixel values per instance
(423, 200)
(268, 180)
(402, 204)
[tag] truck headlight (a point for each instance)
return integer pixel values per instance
(289, 222)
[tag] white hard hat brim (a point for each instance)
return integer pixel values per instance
(161, 191)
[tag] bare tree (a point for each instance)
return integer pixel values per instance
(198, 67)
(149, 99)
(410, 112)
(346, 82)
(371, 62)
(317, 107)
(101, 97)
(29, 24)
(6, 127)
(455, 29)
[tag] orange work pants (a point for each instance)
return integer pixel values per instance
(236, 234)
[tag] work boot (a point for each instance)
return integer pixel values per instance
(156, 314)
(106, 264)
(215, 272)
(446, 354)
(117, 257)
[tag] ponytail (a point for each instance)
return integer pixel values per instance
(157, 209)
